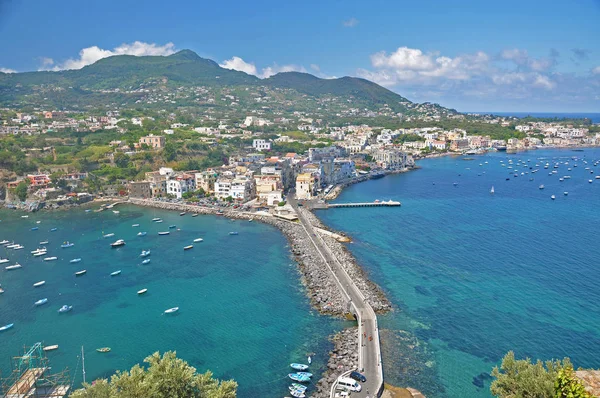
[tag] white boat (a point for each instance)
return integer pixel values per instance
(41, 302)
(141, 233)
(492, 190)
(75, 260)
(590, 181)
(6, 327)
(145, 253)
(108, 235)
(565, 193)
(155, 219)
(117, 243)
(65, 308)
(67, 244)
(116, 211)
(115, 273)
(142, 291)
(38, 254)
(44, 242)
(164, 233)
(4, 260)
(172, 310)
(188, 247)
(40, 283)
(11, 267)
(24, 216)
(158, 221)
(552, 197)
(541, 186)
(135, 225)
(4, 242)
(41, 249)
(12, 245)
(198, 240)
(233, 233)
(146, 261)
(79, 273)
(51, 258)
(51, 347)
(19, 247)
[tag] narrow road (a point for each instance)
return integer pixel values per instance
(369, 356)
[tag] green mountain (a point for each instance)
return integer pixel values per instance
(127, 80)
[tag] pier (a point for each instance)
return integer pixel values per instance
(366, 204)
(369, 350)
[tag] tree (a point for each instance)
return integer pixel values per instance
(169, 152)
(522, 378)
(21, 190)
(567, 385)
(166, 376)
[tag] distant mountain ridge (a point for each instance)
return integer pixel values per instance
(185, 68)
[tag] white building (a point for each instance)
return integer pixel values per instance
(181, 184)
(261, 145)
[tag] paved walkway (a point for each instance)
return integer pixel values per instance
(369, 356)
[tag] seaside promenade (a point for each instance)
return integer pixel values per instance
(369, 355)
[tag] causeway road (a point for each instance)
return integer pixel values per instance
(369, 356)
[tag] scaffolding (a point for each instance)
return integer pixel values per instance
(31, 378)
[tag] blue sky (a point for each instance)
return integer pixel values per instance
(470, 55)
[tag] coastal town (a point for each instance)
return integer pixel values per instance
(254, 168)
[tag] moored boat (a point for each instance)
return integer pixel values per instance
(141, 233)
(164, 233)
(155, 219)
(11, 267)
(4, 260)
(195, 215)
(20, 247)
(188, 247)
(38, 254)
(103, 349)
(40, 283)
(65, 308)
(75, 260)
(51, 347)
(146, 261)
(4, 242)
(182, 213)
(6, 327)
(135, 225)
(142, 291)
(44, 242)
(34, 228)
(53, 229)
(67, 244)
(108, 235)
(198, 240)
(171, 310)
(172, 226)
(307, 374)
(299, 378)
(79, 273)
(41, 302)
(233, 233)
(117, 243)
(298, 366)
(53, 258)
(115, 273)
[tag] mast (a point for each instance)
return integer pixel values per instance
(83, 363)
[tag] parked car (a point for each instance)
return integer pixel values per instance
(358, 377)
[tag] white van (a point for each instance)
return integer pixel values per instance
(348, 383)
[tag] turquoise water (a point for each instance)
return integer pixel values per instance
(243, 311)
(473, 275)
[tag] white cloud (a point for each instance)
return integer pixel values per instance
(7, 70)
(315, 67)
(596, 70)
(350, 23)
(92, 54)
(543, 82)
(275, 69)
(236, 63)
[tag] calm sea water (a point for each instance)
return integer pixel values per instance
(243, 312)
(473, 275)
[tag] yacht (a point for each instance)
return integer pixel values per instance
(40, 253)
(4, 260)
(117, 243)
(11, 267)
(145, 253)
(4, 242)
(53, 258)
(65, 308)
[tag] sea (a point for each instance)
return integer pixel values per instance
(594, 117)
(243, 312)
(472, 274)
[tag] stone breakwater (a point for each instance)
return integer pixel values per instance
(343, 358)
(369, 289)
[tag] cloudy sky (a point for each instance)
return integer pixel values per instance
(470, 55)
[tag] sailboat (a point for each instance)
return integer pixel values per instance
(492, 190)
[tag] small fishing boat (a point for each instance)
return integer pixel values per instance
(11, 267)
(116, 211)
(44, 242)
(142, 291)
(297, 393)
(103, 349)
(1, 290)
(541, 186)
(20, 247)
(159, 221)
(198, 240)
(51, 347)
(590, 181)
(146, 261)
(171, 310)
(195, 215)
(115, 273)
(299, 378)
(142, 233)
(117, 243)
(87, 210)
(299, 386)
(75, 260)
(53, 258)
(492, 190)
(79, 273)
(38, 254)
(34, 228)
(65, 308)
(164, 233)
(309, 357)
(41, 302)
(67, 244)
(40, 283)
(172, 226)
(155, 219)
(188, 247)
(108, 235)
(135, 225)
(552, 197)
(24, 216)
(53, 229)
(182, 213)
(6, 327)
(145, 253)
(298, 366)
(307, 374)
(4, 260)
(233, 233)
(565, 193)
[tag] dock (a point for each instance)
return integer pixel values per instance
(366, 204)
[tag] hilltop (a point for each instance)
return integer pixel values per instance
(186, 79)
